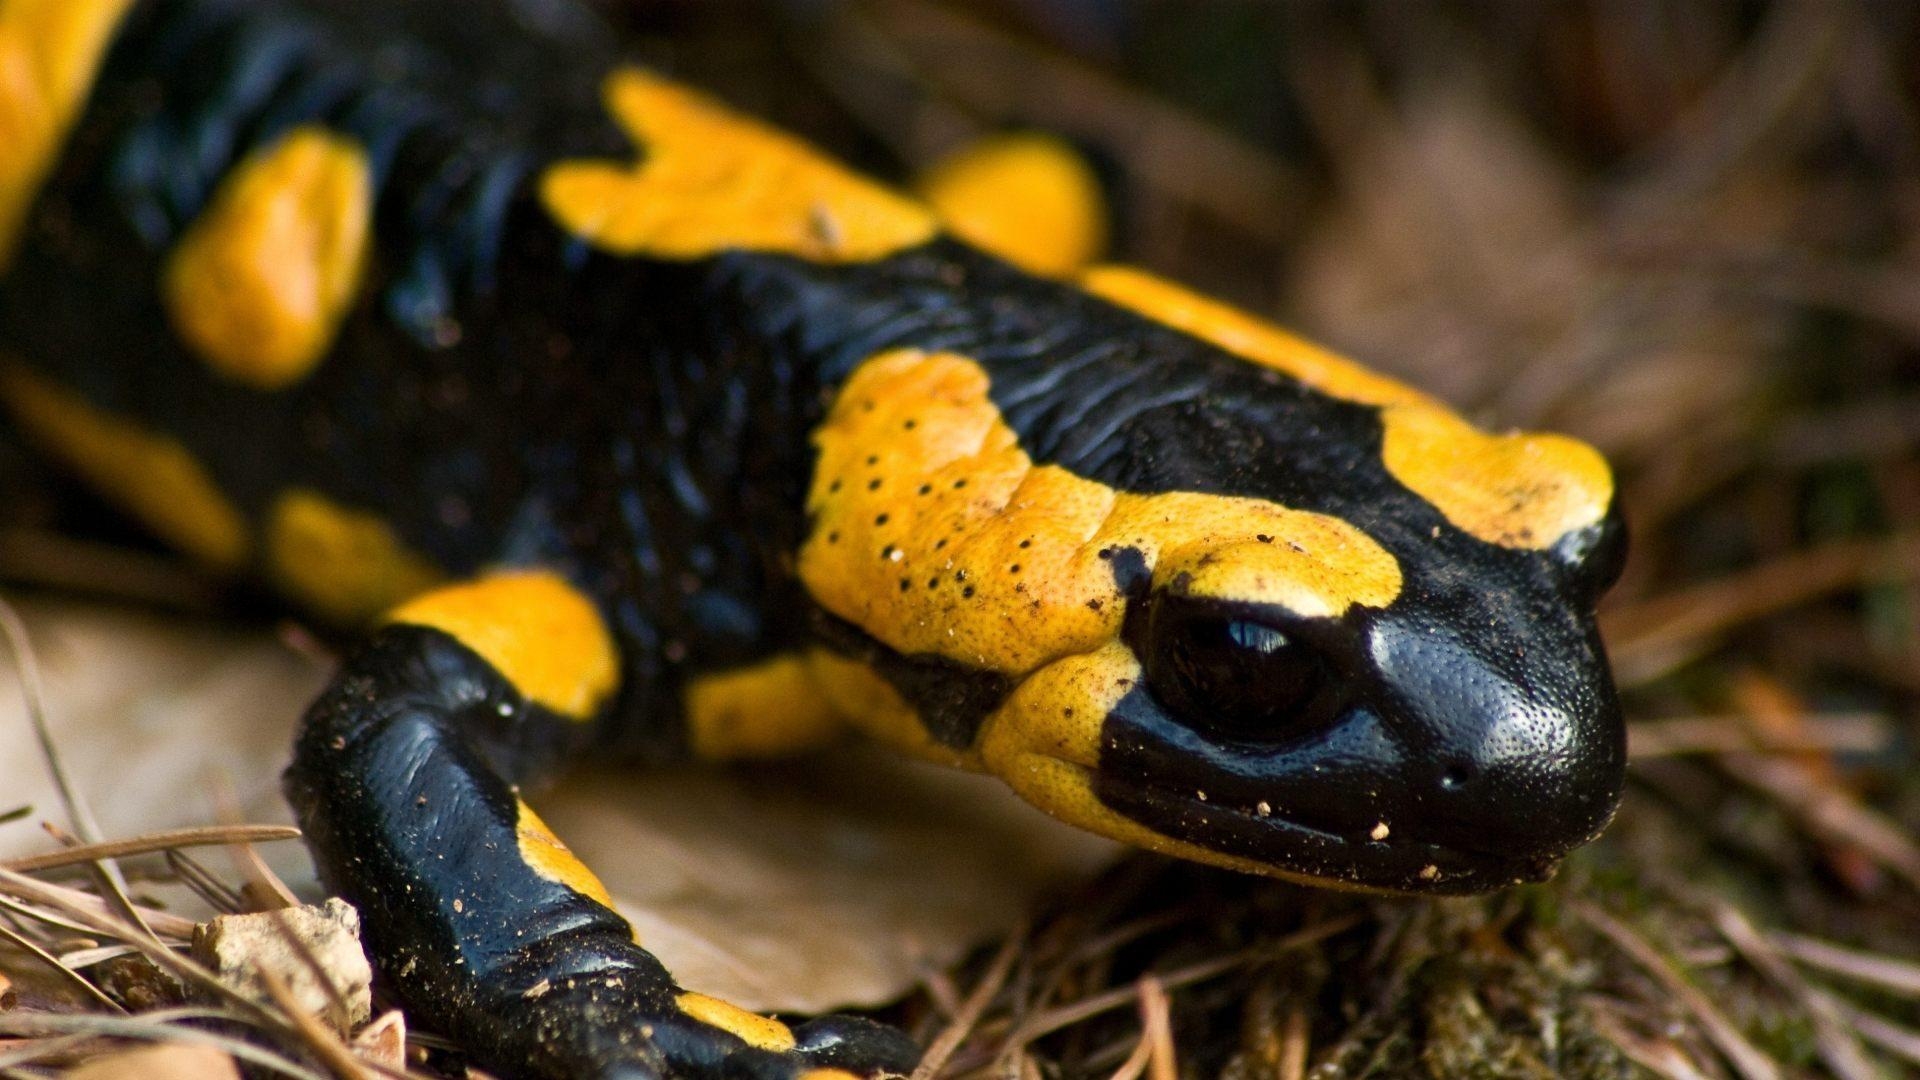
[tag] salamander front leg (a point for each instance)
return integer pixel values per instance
(482, 921)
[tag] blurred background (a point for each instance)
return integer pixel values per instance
(1686, 230)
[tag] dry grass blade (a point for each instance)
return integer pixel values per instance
(1746, 1059)
(1658, 1056)
(1886, 972)
(1171, 150)
(1903, 1043)
(325, 1046)
(152, 842)
(1829, 812)
(1650, 637)
(970, 1010)
(1847, 733)
(90, 909)
(158, 1026)
(33, 690)
(67, 974)
(1156, 1029)
(1838, 1047)
(1065, 1015)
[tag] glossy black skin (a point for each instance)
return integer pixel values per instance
(532, 976)
(504, 394)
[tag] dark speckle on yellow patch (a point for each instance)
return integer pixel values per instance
(988, 508)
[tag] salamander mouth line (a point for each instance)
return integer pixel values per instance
(1458, 859)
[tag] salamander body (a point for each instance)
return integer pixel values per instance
(615, 422)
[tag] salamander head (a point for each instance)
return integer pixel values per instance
(1264, 610)
(1462, 737)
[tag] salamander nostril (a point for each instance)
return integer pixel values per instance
(1456, 777)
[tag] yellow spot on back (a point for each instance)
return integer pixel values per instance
(1029, 198)
(260, 282)
(709, 180)
(766, 710)
(1517, 490)
(347, 565)
(149, 475)
(935, 532)
(537, 631)
(553, 860)
(758, 1031)
(50, 51)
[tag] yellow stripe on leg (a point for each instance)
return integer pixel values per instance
(552, 859)
(538, 631)
(753, 1029)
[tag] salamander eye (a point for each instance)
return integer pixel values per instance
(1231, 675)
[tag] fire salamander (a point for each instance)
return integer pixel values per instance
(623, 424)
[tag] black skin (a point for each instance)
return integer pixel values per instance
(504, 394)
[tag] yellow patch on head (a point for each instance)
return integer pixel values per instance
(936, 533)
(1044, 743)
(260, 282)
(50, 51)
(766, 710)
(1518, 490)
(709, 180)
(761, 1032)
(347, 565)
(870, 704)
(1029, 198)
(552, 859)
(152, 477)
(538, 631)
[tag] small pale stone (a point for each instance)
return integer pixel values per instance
(168, 1061)
(1380, 831)
(238, 947)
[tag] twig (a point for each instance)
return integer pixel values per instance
(62, 898)
(325, 1046)
(1156, 1029)
(1886, 972)
(1855, 733)
(1837, 1045)
(1651, 637)
(158, 1026)
(1746, 1059)
(1055, 1019)
(942, 1047)
(206, 836)
(66, 973)
(1829, 812)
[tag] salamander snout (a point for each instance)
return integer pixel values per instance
(1393, 750)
